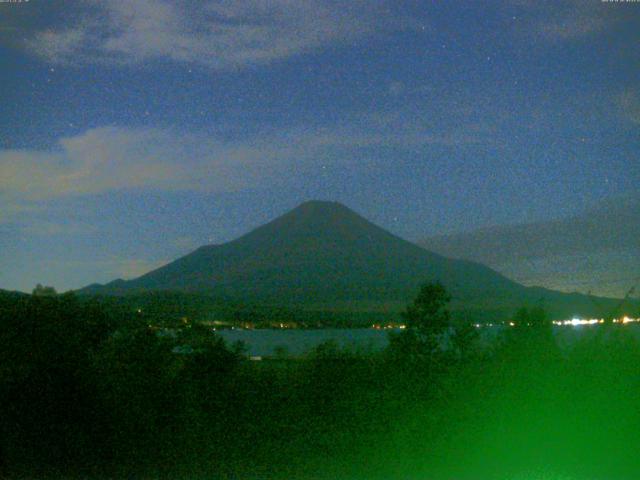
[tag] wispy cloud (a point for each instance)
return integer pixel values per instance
(128, 268)
(219, 34)
(98, 160)
(116, 158)
(569, 20)
(573, 25)
(113, 158)
(109, 267)
(49, 228)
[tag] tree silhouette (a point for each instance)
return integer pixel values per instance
(426, 320)
(42, 291)
(428, 315)
(531, 317)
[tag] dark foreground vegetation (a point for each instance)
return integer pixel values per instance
(94, 392)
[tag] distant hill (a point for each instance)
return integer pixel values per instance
(9, 298)
(11, 294)
(324, 256)
(597, 251)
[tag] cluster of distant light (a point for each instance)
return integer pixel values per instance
(594, 321)
(389, 326)
(575, 322)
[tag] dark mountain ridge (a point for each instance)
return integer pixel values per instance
(324, 256)
(11, 295)
(595, 251)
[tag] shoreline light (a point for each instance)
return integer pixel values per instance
(575, 322)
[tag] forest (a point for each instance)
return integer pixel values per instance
(96, 391)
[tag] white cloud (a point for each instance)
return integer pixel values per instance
(570, 20)
(219, 34)
(60, 272)
(114, 158)
(98, 160)
(573, 26)
(52, 44)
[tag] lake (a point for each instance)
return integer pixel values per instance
(298, 342)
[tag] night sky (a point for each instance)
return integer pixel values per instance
(132, 132)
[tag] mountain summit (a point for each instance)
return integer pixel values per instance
(323, 255)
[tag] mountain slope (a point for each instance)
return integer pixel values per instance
(323, 255)
(597, 251)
